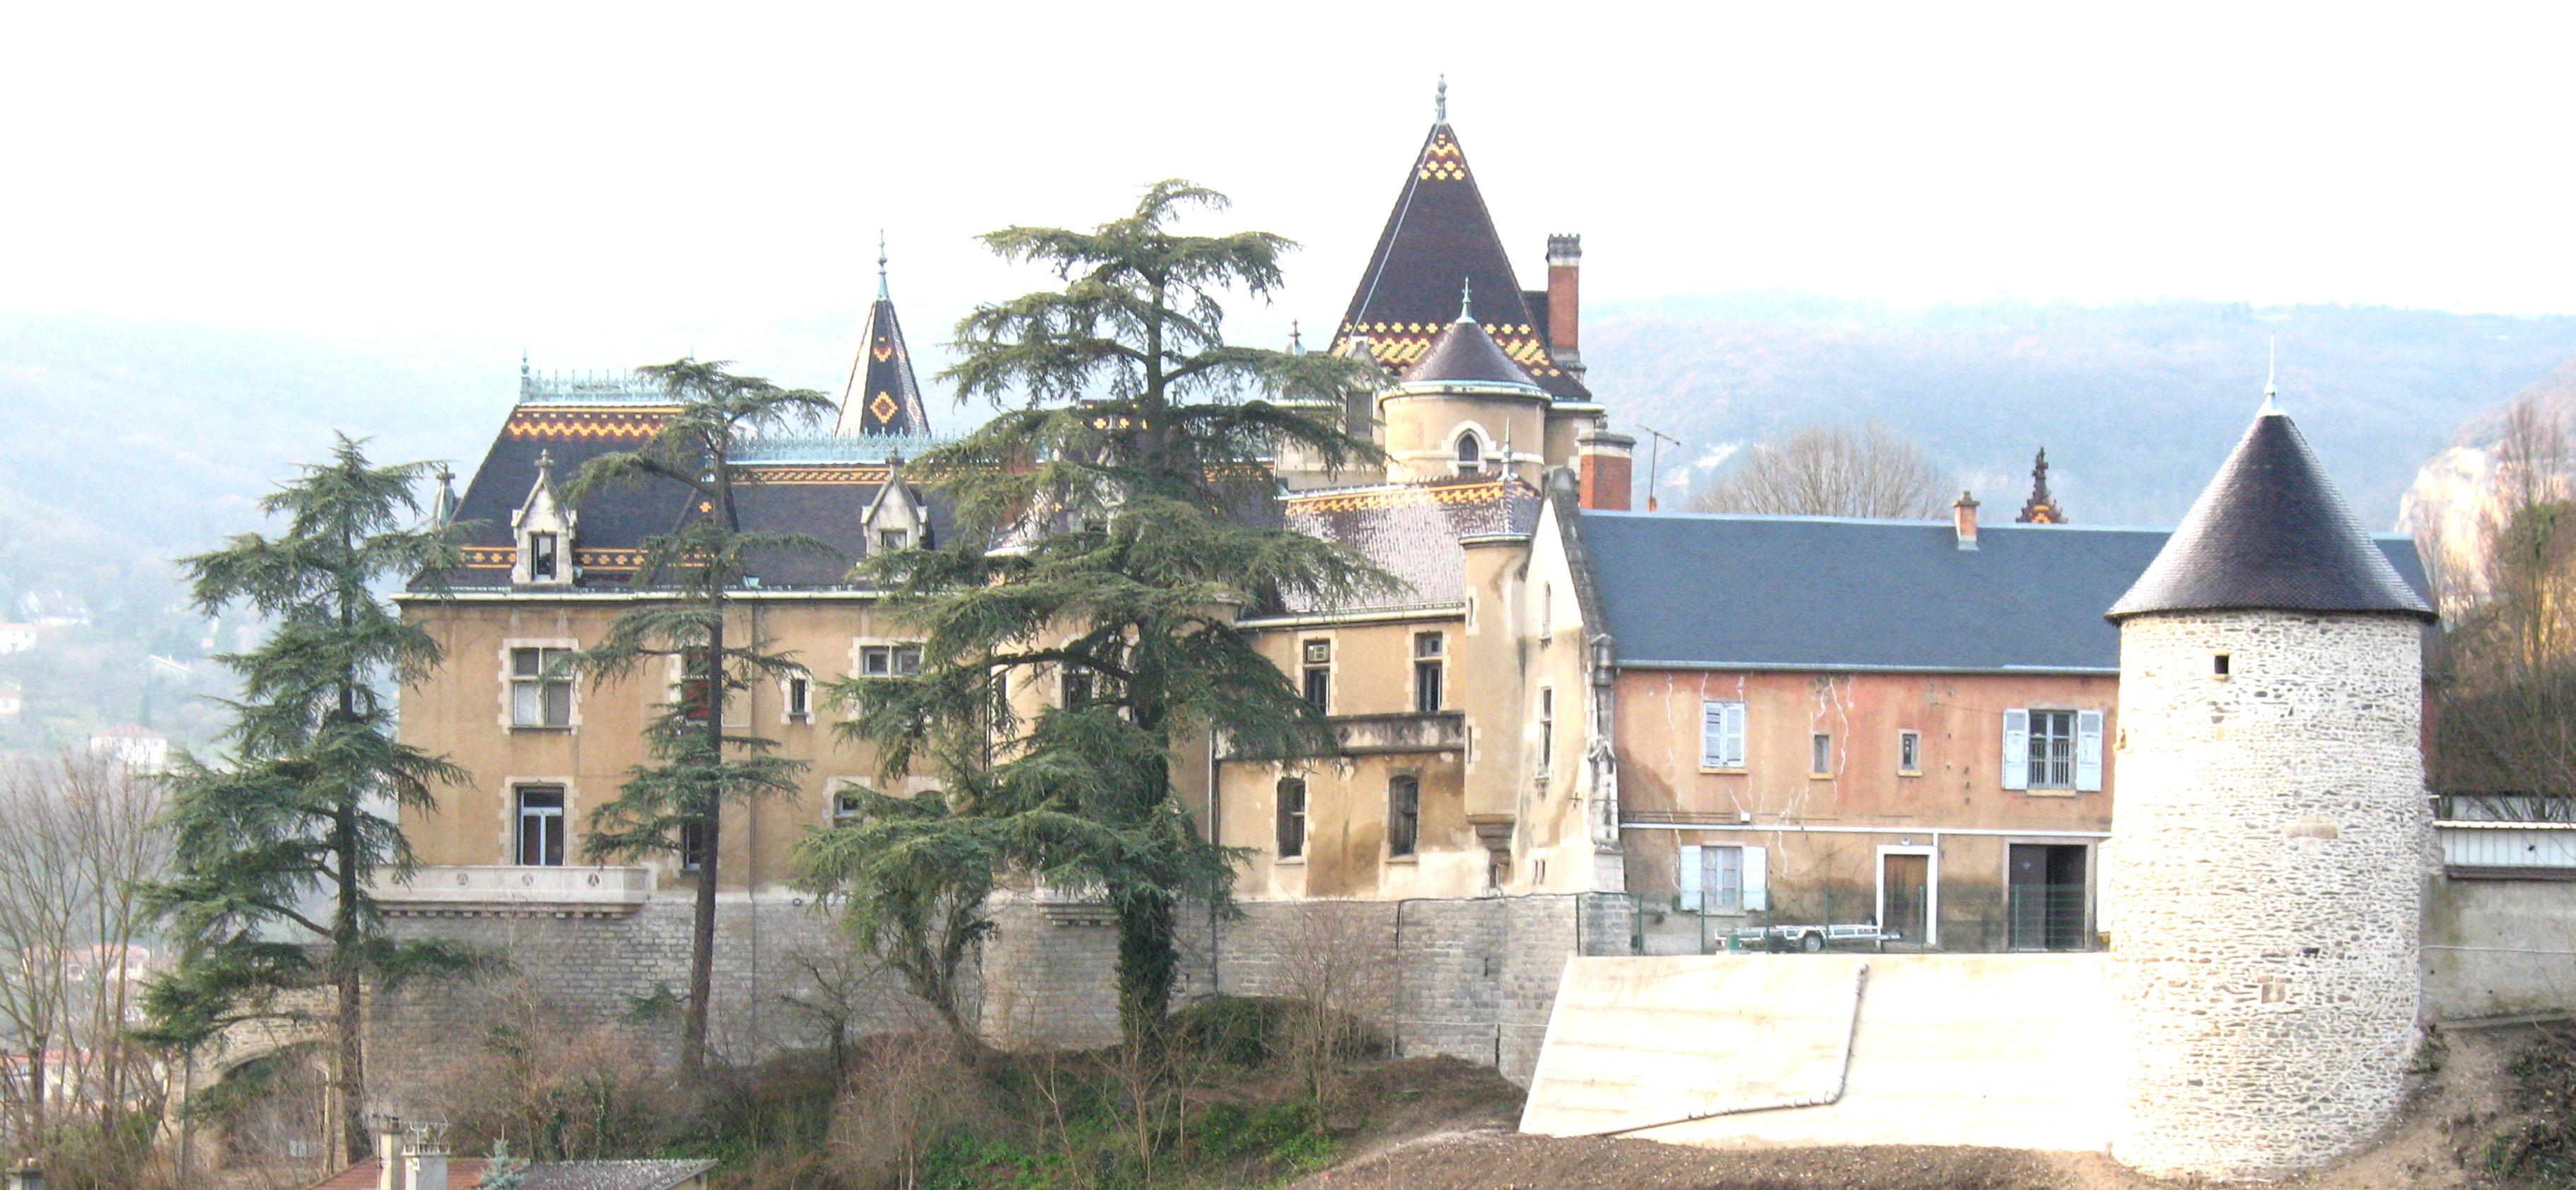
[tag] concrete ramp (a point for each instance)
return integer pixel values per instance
(1750, 1049)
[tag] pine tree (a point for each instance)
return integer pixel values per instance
(673, 805)
(277, 843)
(1123, 483)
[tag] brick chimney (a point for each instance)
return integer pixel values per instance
(1963, 517)
(1605, 461)
(1564, 302)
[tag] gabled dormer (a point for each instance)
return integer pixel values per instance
(542, 531)
(897, 519)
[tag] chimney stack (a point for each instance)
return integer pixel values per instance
(1564, 302)
(389, 1153)
(27, 1176)
(425, 1166)
(1963, 517)
(1606, 462)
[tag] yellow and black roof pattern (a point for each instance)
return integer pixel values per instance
(1439, 237)
(883, 396)
(823, 497)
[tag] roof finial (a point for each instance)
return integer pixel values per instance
(1295, 345)
(881, 276)
(1440, 102)
(2272, 391)
(1467, 299)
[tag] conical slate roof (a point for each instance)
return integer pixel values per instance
(2271, 532)
(1438, 235)
(883, 397)
(1465, 354)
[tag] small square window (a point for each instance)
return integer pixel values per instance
(2220, 664)
(1319, 652)
(1428, 644)
(892, 539)
(889, 661)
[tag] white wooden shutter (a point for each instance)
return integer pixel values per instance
(1734, 735)
(2016, 771)
(1757, 880)
(1712, 735)
(2088, 751)
(1688, 872)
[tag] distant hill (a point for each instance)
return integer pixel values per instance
(128, 444)
(2136, 403)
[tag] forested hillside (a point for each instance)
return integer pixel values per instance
(131, 444)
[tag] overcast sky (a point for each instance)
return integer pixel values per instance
(606, 185)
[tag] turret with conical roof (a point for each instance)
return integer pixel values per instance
(2272, 836)
(1464, 408)
(882, 396)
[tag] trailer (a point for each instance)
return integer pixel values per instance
(1809, 939)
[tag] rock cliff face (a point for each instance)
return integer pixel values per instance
(2453, 503)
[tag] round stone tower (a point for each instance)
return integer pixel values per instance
(2270, 843)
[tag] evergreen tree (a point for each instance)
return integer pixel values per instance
(276, 844)
(673, 804)
(1110, 531)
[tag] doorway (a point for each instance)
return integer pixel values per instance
(1905, 895)
(2044, 897)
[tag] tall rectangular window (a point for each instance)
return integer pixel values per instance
(1546, 730)
(1820, 753)
(543, 561)
(1403, 814)
(539, 696)
(1292, 817)
(800, 698)
(889, 661)
(1319, 674)
(1077, 689)
(2052, 749)
(1909, 752)
(693, 846)
(1428, 649)
(1721, 735)
(541, 825)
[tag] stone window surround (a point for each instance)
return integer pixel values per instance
(509, 814)
(508, 675)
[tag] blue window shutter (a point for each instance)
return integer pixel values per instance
(2016, 767)
(1757, 880)
(1689, 874)
(2088, 751)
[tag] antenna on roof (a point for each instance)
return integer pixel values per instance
(1440, 102)
(881, 280)
(2272, 391)
(1466, 299)
(1655, 460)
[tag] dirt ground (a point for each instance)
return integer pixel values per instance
(1447, 1126)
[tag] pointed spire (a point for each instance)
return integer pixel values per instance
(2272, 533)
(1467, 300)
(1440, 102)
(442, 507)
(1437, 233)
(883, 396)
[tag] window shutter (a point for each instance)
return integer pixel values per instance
(2088, 751)
(1689, 874)
(1712, 735)
(1757, 880)
(1735, 735)
(2016, 773)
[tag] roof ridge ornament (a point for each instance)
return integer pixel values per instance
(1440, 102)
(881, 269)
(1467, 299)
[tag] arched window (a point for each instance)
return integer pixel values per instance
(1471, 453)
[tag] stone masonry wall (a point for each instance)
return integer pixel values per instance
(1472, 979)
(2269, 858)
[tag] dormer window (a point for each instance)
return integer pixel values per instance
(1471, 454)
(542, 557)
(890, 540)
(542, 530)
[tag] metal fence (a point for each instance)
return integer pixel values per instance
(2026, 917)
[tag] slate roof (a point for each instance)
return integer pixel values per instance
(1759, 592)
(882, 396)
(1465, 354)
(2271, 531)
(1438, 236)
(1412, 531)
(826, 499)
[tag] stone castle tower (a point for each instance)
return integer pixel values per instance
(2270, 849)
